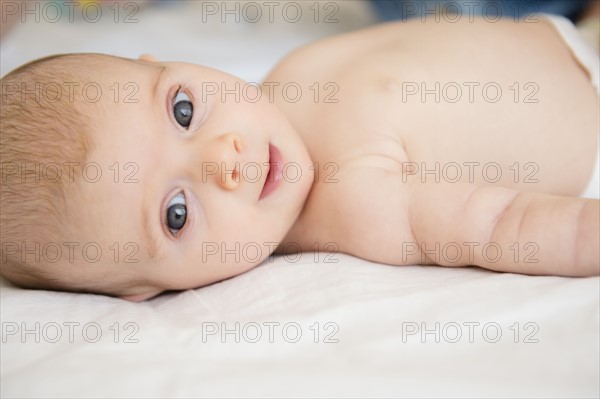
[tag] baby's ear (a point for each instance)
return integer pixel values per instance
(140, 297)
(148, 57)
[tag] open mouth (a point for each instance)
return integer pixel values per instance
(275, 173)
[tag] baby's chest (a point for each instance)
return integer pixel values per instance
(360, 207)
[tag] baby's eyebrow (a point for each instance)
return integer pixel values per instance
(159, 74)
(152, 241)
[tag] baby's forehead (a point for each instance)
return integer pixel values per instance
(116, 195)
(108, 223)
(99, 77)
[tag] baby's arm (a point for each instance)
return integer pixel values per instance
(536, 233)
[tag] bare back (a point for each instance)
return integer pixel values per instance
(471, 102)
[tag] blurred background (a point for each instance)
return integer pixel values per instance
(245, 38)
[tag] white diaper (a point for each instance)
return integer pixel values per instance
(587, 58)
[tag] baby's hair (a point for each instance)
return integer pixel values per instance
(40, 132)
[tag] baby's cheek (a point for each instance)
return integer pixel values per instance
(251, 254)
(235, 257)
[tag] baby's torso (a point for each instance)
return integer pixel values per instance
(385, 108)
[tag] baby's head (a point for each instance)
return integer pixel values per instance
(132, 177)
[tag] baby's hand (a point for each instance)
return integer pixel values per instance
(507, 230)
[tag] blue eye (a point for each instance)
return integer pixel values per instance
(183, 109)
(176, 213)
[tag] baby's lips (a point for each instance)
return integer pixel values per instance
(275, 171)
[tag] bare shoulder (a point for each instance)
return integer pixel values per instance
(336, 51)
(373, 127)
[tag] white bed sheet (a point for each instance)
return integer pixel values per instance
(370, 305)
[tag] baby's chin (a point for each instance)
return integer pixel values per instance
(295, 152)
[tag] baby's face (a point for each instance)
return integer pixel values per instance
(204, 187)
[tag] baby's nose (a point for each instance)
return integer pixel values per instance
(227, 151)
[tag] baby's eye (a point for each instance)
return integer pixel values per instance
(176, 213)
(183, 109)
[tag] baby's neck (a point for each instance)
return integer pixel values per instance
(309, 233)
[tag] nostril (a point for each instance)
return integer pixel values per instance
(237, 144)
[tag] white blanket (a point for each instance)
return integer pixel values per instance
(309, 328)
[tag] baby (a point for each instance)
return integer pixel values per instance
(454, 144)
